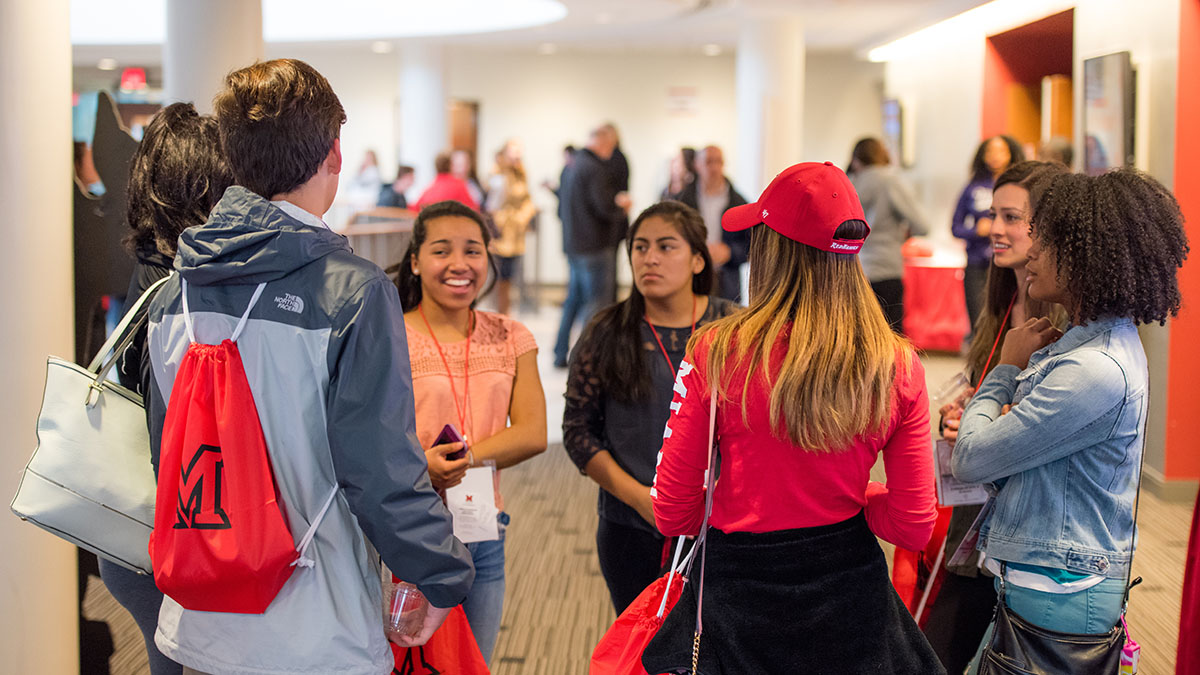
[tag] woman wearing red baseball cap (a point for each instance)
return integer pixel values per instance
(811, 387)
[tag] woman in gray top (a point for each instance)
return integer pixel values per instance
(894, 216)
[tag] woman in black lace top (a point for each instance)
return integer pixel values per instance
(620, 383)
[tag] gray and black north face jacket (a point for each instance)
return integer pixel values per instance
(327, 361)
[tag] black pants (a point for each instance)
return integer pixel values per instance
(958, 617)
(630, 560)
(974, 282)
(891, 298)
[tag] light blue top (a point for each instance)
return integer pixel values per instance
(1065, 459)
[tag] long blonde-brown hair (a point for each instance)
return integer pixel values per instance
(834, 383)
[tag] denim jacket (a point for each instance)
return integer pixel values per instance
(1066, 458)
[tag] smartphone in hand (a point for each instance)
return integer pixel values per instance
(450, 435)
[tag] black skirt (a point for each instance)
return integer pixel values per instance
(810, 600)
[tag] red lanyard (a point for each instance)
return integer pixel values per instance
(666, 356)
(464, 409)
(999, 333)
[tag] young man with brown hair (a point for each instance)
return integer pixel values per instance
(327, 362)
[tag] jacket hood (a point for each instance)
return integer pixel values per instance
(249, 240)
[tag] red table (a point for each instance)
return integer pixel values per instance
(935, 311)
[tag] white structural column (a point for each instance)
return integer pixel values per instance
(423, 110)
(770, 97)
(38, 600)
(205, 41)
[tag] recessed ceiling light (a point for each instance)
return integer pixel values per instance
(382, 47)
(129, 22)
(107, 64)
(547, 48)
(604, 17)
(712, 50)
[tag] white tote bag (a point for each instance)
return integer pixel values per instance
(90, 480)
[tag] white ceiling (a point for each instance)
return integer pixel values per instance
(671, 25)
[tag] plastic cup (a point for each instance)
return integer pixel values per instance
(956, 390)
(404, 609)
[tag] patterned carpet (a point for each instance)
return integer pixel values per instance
(557, 606)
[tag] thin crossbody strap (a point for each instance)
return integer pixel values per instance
(710, 480)
(1130, 582)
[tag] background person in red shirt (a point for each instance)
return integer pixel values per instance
(445, 187)
(812, 387)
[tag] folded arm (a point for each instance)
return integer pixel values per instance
(1050, 423)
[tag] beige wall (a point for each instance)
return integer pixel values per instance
(38, 630)
(549, 101)
(942, 88)
(843, 95)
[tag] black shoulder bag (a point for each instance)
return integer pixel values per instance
(1020, 648)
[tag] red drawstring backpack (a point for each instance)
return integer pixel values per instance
(220, 542)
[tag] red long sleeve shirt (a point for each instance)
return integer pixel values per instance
(768, 484)
(446, 187)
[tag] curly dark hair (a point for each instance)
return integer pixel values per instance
(176, 176)
(1118, 240)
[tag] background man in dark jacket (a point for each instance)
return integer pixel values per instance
(593, 210)
(712, 195)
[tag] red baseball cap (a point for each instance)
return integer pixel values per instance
(805, 203)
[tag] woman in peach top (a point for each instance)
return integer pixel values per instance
(475, 370)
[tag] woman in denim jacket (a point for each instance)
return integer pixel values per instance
(1058, 427)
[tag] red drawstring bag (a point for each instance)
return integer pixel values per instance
(451, 650)
(220, 542)
(620, 650)
(916, 579)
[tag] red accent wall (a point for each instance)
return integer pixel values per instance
(1183, 397)
(996, 78)
(1044, 47)
(1023, 55)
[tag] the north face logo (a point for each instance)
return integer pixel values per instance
(289, 302)
(202, 511)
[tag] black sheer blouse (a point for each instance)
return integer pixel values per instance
(631, 431)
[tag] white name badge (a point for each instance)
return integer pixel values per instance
(472, 503)
(950, 490)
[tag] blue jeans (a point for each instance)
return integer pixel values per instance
(485, 602)
(138, 594)
(591, 284)
(1095, 610)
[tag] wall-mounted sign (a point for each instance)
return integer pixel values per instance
(1108, 86)
(133, 79)
(683, 101)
